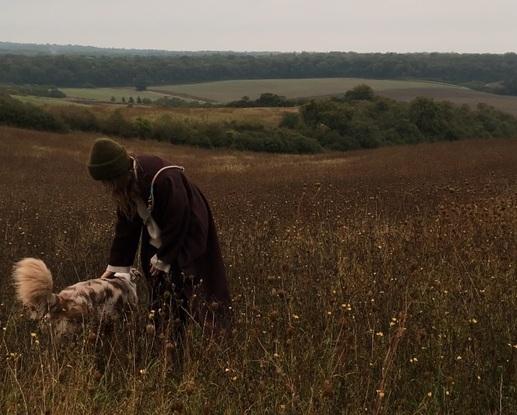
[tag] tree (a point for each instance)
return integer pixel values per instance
(361, 92)
(141, 85)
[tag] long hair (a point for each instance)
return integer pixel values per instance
(124, 191)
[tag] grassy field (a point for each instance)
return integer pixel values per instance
(267, 116)
(105, 94)
(372, 282)
(457, 96)
(46, 100)
(224, 91)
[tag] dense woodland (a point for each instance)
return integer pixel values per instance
(489, 72)
(358, 119)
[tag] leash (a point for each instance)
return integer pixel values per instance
(150, 201)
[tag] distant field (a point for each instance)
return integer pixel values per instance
(456, 95)
(45, 100)
(224, 91)
(105, 94)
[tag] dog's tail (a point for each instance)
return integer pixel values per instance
(33, 283)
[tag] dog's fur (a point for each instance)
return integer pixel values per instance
(100, 299)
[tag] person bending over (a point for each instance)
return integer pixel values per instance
(159, 208)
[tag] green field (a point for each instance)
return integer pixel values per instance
(45, 100)
(458, 96)
(225, 91)
(105, 94)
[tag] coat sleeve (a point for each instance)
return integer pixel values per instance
(125, 242)
(173, 212)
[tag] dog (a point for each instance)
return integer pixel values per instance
(101, 299)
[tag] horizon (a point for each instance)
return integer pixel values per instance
(129, 48)
(393, 26)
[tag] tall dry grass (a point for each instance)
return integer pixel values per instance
(373, 282)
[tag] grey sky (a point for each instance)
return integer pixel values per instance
(283, 25)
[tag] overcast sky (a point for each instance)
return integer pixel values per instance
(257, 25)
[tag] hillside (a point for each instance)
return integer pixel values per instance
(340, 266)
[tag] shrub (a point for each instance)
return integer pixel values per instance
(171, 130)
(116, 124)
(142, 127)
(360, 93)
(290, 120)
(25, 115)
(76, 118)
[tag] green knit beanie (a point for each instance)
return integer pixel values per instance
(108, 160)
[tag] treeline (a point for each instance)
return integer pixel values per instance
(53, 49)
(266, 99)
(358, 119)
(489, 72)
(34, 90)
(234, 135)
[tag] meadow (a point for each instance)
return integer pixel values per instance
(225, 91)
(105, 94)
(367, 282)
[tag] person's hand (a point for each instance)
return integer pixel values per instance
(155, 272)
(107, 274)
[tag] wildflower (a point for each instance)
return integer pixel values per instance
(296, 316)
(413, 360)
(329, 313)
(143, 371)
(380, 392)
(34, 335)
(473, 321)
(429, 394)
(379, 333)
(458, 358)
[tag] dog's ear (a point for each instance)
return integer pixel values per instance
(55, 306)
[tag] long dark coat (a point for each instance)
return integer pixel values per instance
(189, 241)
